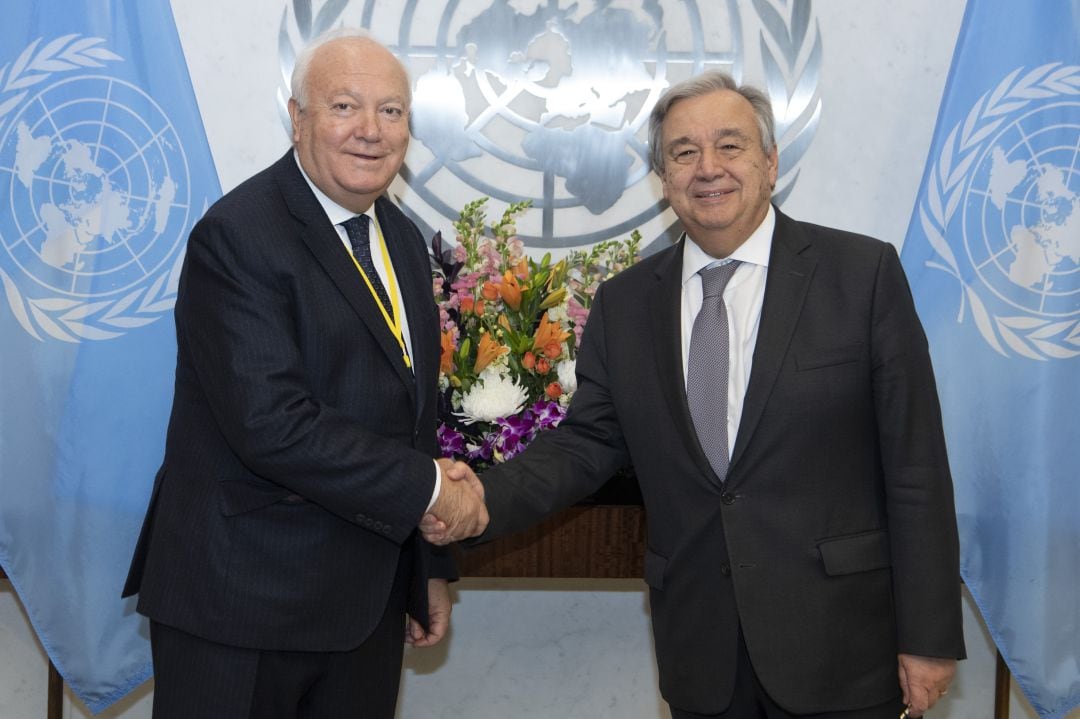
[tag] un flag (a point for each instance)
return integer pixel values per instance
(993, 256)
(104, 168)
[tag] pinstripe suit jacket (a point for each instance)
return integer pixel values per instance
(298, 459)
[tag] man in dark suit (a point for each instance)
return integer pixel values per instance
(280, 554)
(809, 566)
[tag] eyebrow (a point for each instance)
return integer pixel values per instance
(394, 97)
(721, 134)
(728, 132)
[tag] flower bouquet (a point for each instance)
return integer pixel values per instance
(510, 332)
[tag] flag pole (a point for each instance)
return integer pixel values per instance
(54, 709)
(1002, 683)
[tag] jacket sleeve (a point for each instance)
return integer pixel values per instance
(919, 491)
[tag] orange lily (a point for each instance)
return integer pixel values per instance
(521, 269)
(446, 360)
(487, 352)
(548, 332)
(510, 290)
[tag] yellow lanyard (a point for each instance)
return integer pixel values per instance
(393, 321)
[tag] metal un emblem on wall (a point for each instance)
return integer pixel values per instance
(1002, 213)
(93, 191)
(548, 100)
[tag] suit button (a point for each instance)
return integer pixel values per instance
(386, 529)
(360, 518)
(378, 526)
(725, 570)
(369, 522)
(727, 498)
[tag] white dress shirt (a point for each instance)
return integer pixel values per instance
(743, 298)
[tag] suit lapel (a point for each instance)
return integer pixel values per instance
(325, 244)
(412, 268)
(786, 284)
(664, 301)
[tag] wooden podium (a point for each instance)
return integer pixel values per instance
(603, 538)
(599, 541)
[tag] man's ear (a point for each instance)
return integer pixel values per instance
(294, 115)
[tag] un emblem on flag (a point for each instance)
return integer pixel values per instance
(1002, 212)
(94, 182)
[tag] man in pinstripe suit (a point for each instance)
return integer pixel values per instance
(279, 559)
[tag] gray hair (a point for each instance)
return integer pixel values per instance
(711, 81)
(299, 78)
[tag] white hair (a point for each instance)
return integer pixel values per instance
(703, 84)
(303, 60)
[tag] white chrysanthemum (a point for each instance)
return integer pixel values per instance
(567, 375)
(493, 396)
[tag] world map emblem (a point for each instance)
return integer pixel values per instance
(548, 100)
(1003, 213)
(94, 183)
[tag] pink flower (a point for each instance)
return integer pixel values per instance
(465, 282)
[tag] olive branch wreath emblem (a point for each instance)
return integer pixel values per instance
(791, 53)
(307, 26)
(790, 44)
(63, 318)
(1032, 337)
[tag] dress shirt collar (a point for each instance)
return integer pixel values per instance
(754, 251)
(333, 210)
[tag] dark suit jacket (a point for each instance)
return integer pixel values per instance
(298, 460)
(833, 541)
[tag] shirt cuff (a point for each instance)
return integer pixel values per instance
(438, 486)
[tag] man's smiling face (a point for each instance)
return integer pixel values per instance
(353, 130)
(716, 175)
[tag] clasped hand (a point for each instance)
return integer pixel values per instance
(459, 512)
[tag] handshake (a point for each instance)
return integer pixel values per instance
(459, 512)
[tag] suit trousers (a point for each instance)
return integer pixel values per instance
(751, 701)
(195, 677)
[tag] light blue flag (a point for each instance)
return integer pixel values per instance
(104, 168)
(993, 256)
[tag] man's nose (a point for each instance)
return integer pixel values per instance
(367, 126)
(710, 163)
